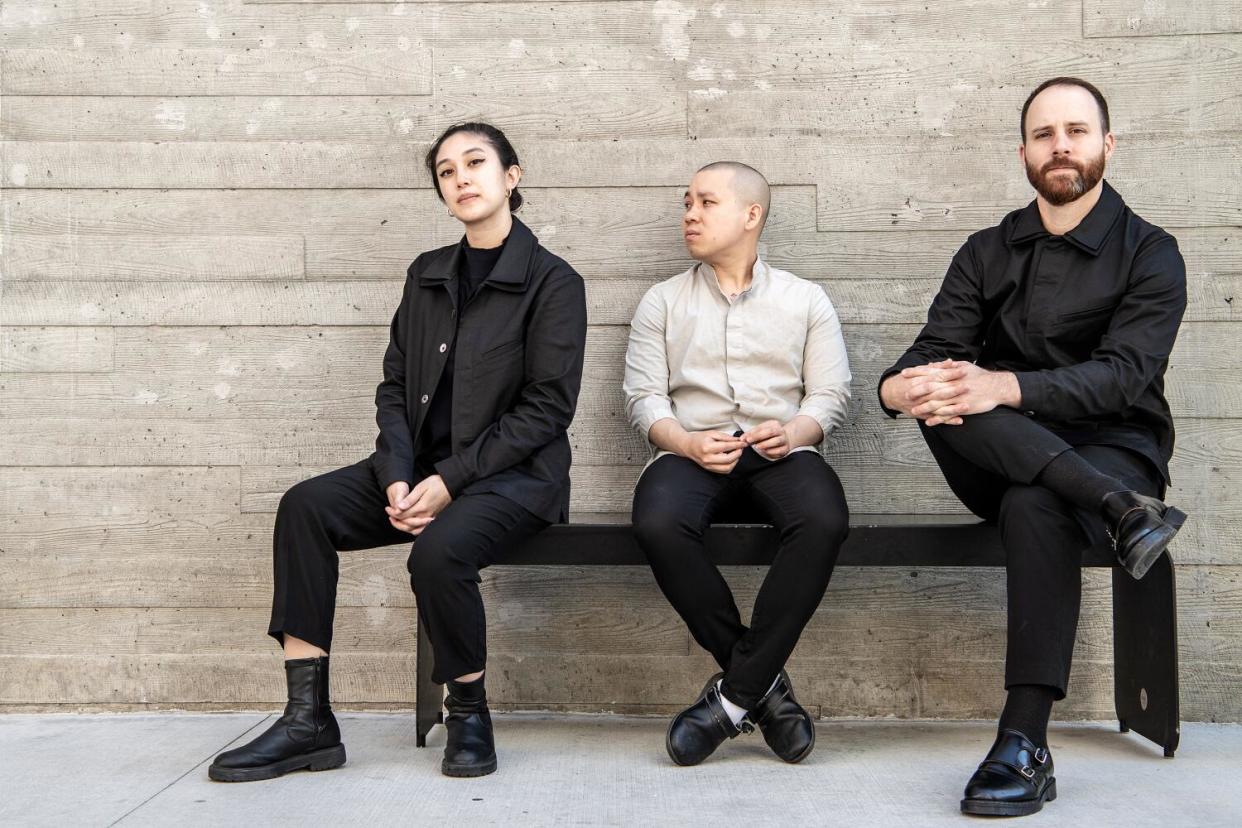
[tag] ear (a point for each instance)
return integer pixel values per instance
(512, 176)
(1110, 144)
(1022, 154)
(754, 215)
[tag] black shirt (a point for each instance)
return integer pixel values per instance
(1085, 320)
(435, 442)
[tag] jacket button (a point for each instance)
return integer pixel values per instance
(425, 398)
(443, 347)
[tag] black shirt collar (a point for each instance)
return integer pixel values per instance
(510, 272)
(1090, 234)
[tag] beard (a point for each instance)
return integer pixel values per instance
(1062, 189)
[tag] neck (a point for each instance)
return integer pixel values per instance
(1059, 220)
(491, 231)
(734, 268)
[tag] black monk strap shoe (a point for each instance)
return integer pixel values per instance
(470, 749)
(702, 727)
(1014, 780)
(305, 737)
(786, 727)
(1141, 528)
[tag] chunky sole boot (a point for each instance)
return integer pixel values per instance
(1015, 779)
(305, 737)
(316, 760)
(471, 747)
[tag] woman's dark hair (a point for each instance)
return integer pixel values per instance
(493, 136)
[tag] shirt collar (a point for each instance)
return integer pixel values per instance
(511, 269)
(1090, 234)
(758, 276)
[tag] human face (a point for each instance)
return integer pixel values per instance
(472, 181)
(1065, 148)
(714, 219)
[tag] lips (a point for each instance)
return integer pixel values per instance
(462, 199)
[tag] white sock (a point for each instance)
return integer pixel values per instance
(736, 714)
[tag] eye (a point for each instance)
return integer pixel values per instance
(444, 172)
(474, 161)
(707, 201)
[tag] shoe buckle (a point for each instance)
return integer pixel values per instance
(1041, 755)
(1027, 771)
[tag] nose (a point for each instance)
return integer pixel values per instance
(1061, 144)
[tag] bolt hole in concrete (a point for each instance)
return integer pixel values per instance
(1143, 698)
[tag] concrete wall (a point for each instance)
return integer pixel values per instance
(208, 208)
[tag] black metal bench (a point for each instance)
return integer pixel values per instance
(1144, 612)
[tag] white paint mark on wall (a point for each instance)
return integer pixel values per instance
(213, 32)
(718, 10)
(222, 390)
(736, 29)
(702, 72)
(934, 109)
(674, 19)
(171, 115)
(316, 40)
(145, 396)
(227, 367)
(405, 126)
(18, 174)
(352, 24)
(78, 41)
(403, 43)
(517, 47)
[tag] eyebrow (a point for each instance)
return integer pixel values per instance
(702, 194)
(1071, 123)
(467, 152)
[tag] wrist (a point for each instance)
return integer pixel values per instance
(1011, 391)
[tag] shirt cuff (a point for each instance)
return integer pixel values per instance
(896, 369)
(648, 411)
(454, 476)
(1033, 386)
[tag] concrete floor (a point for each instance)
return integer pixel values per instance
(593, 770)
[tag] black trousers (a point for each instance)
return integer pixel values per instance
(675, 502)
(344, 510)
(991, 462)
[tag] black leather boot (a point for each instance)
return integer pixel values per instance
(1141, 528)
(470, 749)
(702, 727)
(1014, 780)
(786, 727)
(306, 736)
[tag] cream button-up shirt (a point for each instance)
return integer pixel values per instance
(771, 353)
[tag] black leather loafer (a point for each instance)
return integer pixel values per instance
(787, 728)
(702, 727)
(1141, 528)
(1014, 780)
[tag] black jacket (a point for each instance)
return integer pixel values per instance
(519, 346)
(1086, 321)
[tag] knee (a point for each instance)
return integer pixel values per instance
(831, 526)
(433, 562)
(657, 524)
(1025, 506)
(301, 500)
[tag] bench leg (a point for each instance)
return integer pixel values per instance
(1145, 654)
(429, 697)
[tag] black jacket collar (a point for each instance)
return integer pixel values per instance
(512, 270)
(1089, 235)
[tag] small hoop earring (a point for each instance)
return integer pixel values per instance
(508, 192)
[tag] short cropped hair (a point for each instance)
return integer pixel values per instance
(1065, 81)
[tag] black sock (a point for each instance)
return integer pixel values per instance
(1079, 482)
(1027, 710)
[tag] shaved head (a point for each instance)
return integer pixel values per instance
(747, 183)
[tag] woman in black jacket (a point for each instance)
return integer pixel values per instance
(481, 379)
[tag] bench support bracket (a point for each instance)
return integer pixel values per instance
(1145, 654)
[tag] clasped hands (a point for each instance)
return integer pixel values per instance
(719, 452)
(941, 393)
(411, 510)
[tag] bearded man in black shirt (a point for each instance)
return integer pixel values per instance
(1038, 383)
